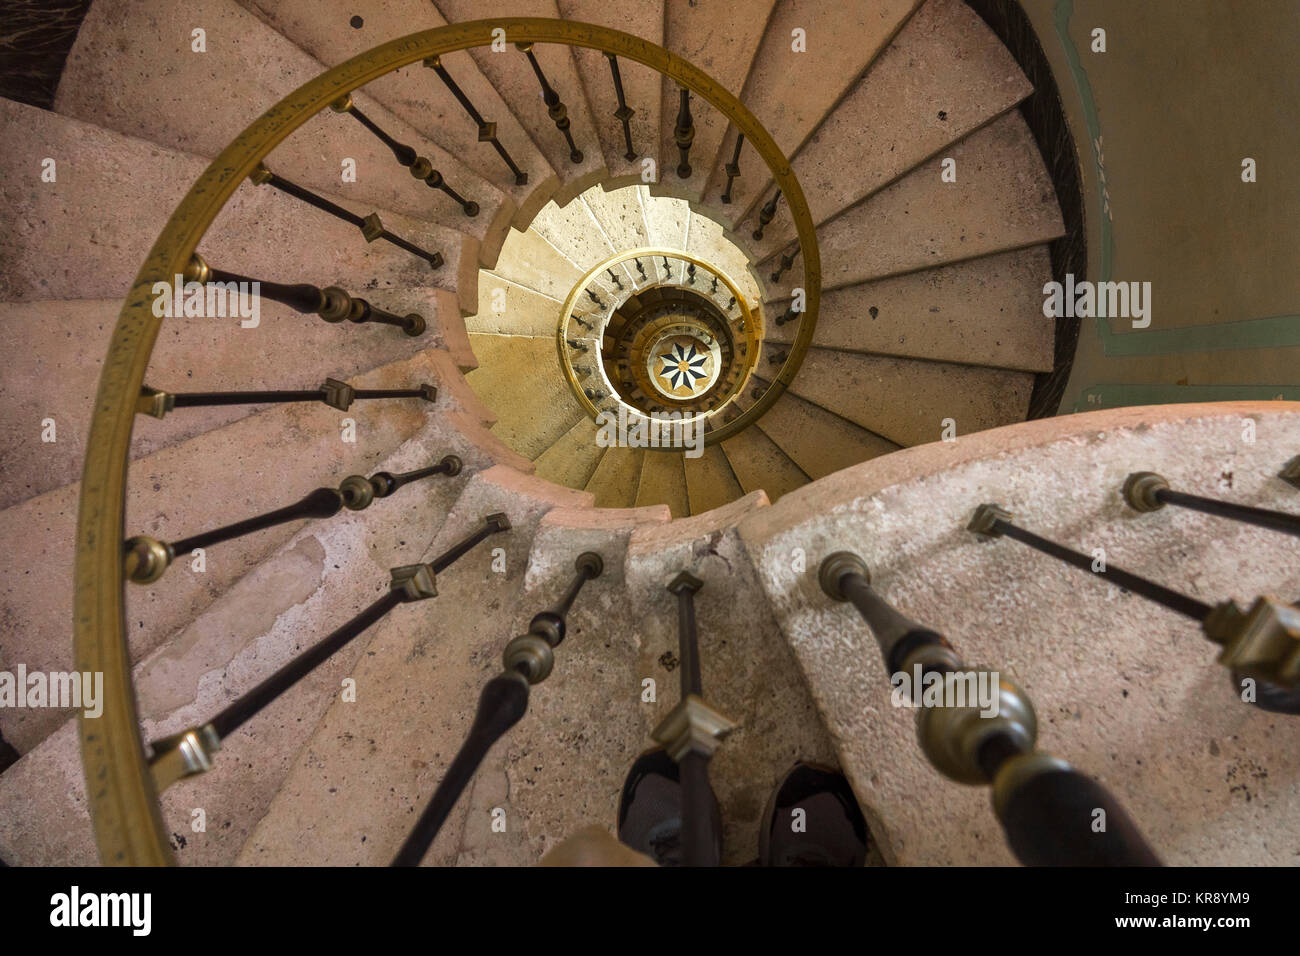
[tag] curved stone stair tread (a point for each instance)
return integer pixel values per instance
(985, 311)
(1002, 200)
(818, 441)
(642, 18)
(519, 378)
(842, 39)
(706, 239)
(614, 482)
(759, 464)
(317, 579)
(721, 38)
(415, 93)
(245, 468)
(513, 78)
(572, 460)
(529, 260)
(710, 482)
(65, 342)
(131, 70)
(663, 482)
(908, 400)
(524, 312)
(66, 242)
(1019, 607)
(944, 76)
(371, 765)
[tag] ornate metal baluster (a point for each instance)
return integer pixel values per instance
(578, 319)
(371, 227)
(617, 281)
(332, 304)
(713, 288)
(595, 298)
(1290, 472)
(146, 557)
(733, 168)
(1146, 491)
(1045, 805)
(668, 269)
(487, 132)
(417, 165)
(528, 659)
(555, 107)
(690, 273)
(789, 315)
(641, 269)
(731, 303)
(624, 113)
(767, 214)
(1262, 642)
(684, 134)
(333, 393)
(787, 260)
(691, 732)
(576, 345)
(192, 751)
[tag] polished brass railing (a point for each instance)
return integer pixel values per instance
(121, 790)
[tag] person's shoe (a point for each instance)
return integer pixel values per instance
(650, 809)
(812, 819)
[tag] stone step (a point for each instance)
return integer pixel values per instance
(311, 585)
(522, 312)
(791, 91)
(818, 441)
(68, 241)
(985, 311)
(642, 18)
(515, 82)
(944, 76)
(760, 465)
(722, 40)
(663, 482)
(614, 482)
(132, 70)
(1112, 697)
(417, 95)
(372, 763)
(705, 239)
(710, 482)
(530, 261)
(572, 460)
(519, 379)
(1002, 200)
(245, 468)
(908, 401)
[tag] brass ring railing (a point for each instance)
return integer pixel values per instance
(752, 329)
(122, 798)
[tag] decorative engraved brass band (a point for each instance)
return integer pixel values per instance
(121, 795)
(751, 331)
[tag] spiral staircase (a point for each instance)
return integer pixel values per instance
(896, 390)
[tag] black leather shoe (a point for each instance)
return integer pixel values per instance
(813, 819)
(650, 809)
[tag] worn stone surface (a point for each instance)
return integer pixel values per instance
(710, 482)
(663, 482)
(986, 311)
(818, 441)
(1002, 200)
(759, 464)
(516, 376)
(1125, 690)
(944, 76)
(614, 482)
(522, 310)
(908, 401)
(572, 460)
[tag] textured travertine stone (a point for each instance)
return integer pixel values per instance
(907, 400)
(573, 231)
(131, 70)
(373, 764)
(532, 262)
(523, 311)
(615, 479)
(67, 240)
(665, 219)
(710, 482)
(1124, 690)
(986, 311)
(791, 91)
(517, 375)
(663, 482)
(245, 468)
(572, 460)
(759, 464)
(945, 75)
(818, 441)
(721, 39)
(1002, 200)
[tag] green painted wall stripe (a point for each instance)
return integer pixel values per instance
(1277, 331)
(1097, 397)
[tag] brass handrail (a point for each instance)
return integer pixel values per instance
(753, 332)
(122, 800)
